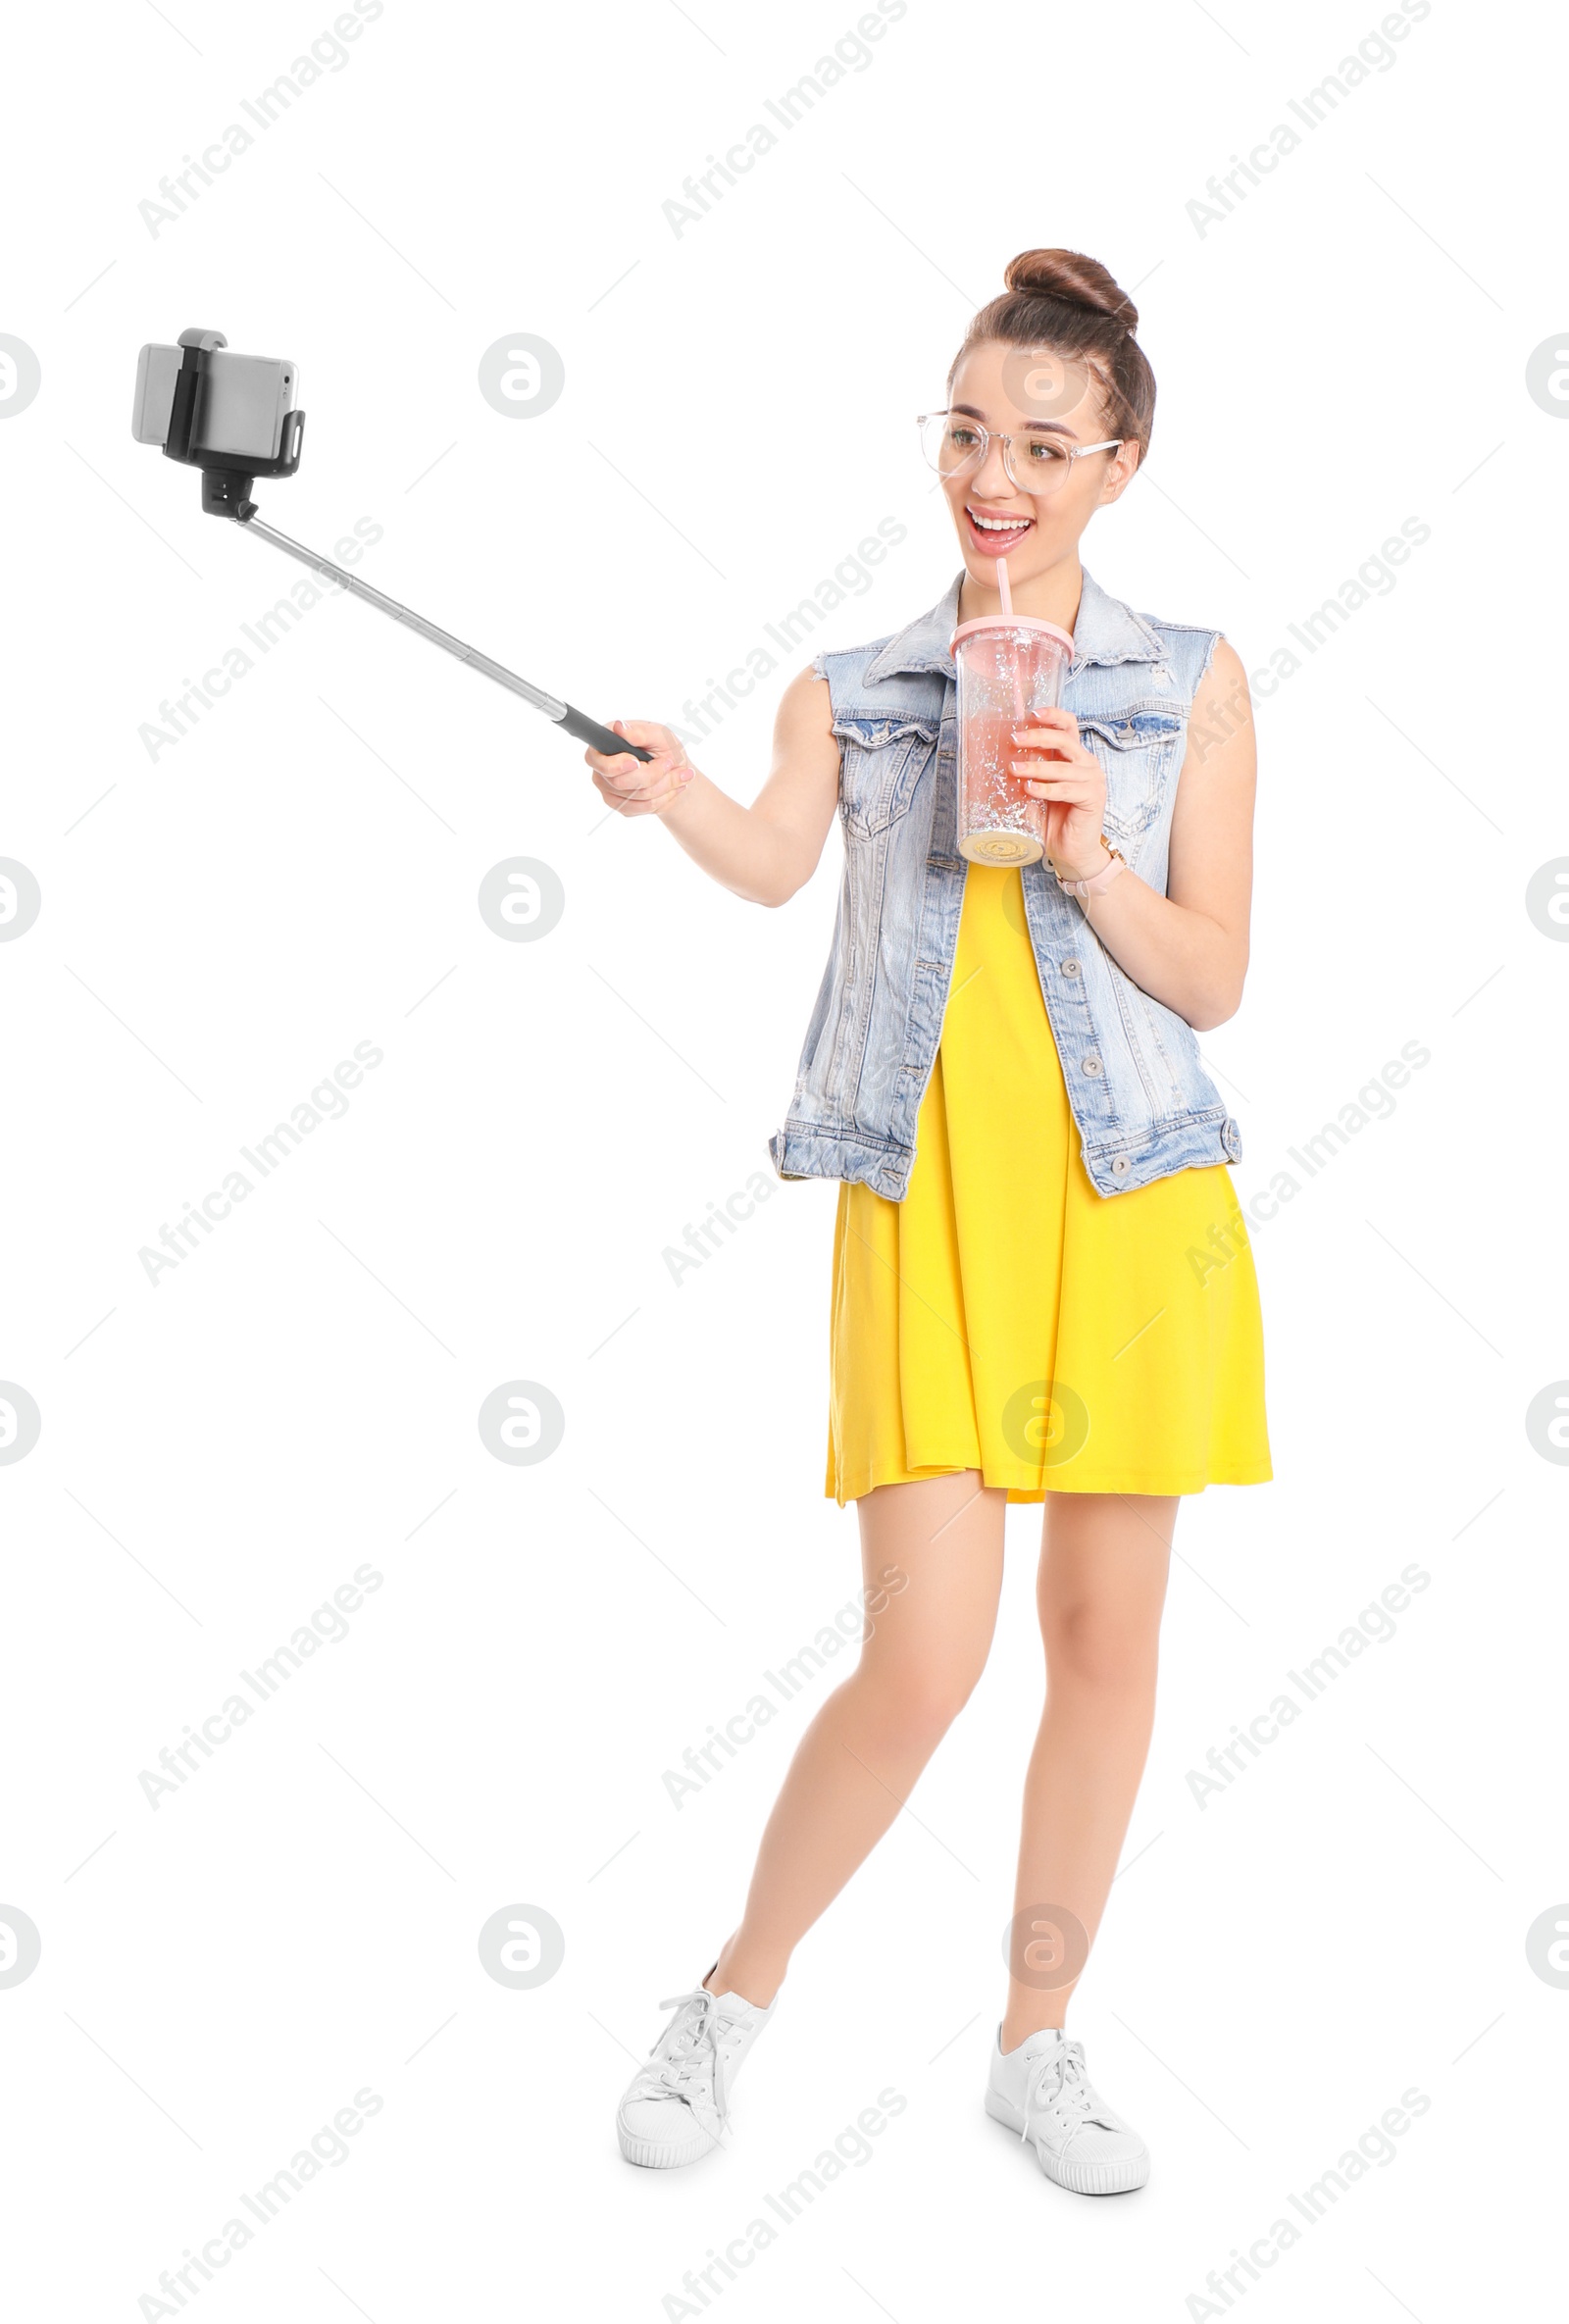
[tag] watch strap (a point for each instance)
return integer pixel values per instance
(1097, 882)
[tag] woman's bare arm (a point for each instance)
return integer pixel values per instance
(1188, 947)
(763, 852)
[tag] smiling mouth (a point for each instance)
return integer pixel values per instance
(994, 531)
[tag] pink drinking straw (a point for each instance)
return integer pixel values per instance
(1003, 584)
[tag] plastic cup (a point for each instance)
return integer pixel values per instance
(1010, 666)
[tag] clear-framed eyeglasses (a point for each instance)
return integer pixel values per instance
(1036, 462)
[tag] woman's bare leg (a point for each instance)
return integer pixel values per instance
(1102, 1585)
(933, 1551)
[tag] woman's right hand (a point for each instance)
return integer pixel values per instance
(764, 852)
(639, 787)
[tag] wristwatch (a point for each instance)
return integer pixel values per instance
(1099, 882)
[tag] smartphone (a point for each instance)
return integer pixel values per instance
(241, 407)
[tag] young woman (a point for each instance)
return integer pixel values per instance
(1043, 1288)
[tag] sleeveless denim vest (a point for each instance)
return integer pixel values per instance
(1141, 1102)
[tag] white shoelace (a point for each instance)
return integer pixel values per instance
(689, 2058)
(1058, 2086)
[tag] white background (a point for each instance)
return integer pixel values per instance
(219, 926)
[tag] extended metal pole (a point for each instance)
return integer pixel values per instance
(574, 722)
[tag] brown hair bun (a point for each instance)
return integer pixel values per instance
(1077, 280)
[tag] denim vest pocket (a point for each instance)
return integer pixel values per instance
(881, 762)
(1135, 750)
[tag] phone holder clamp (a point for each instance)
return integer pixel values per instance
(226, 488)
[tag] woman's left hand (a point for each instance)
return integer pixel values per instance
(1073, 784)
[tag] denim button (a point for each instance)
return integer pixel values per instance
(1118, 1167)
(1230, 1138)
(1093, 1064)
(1070, 968)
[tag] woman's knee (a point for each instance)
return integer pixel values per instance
(918, 1697)
(1105, 1647)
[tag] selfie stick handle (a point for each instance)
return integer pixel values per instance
(575, 723)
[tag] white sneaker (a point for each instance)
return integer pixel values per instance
(1040, 2090)
(677, 2109)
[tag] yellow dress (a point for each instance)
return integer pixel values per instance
(1007, 1318)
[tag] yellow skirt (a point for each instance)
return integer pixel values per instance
(1004, 1316)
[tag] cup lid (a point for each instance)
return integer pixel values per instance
(1011, 621)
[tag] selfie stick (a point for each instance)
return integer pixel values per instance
(227, 490)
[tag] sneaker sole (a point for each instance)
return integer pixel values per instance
(663, 2154)
(1079, 2178)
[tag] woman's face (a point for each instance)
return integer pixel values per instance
(1014, 391)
